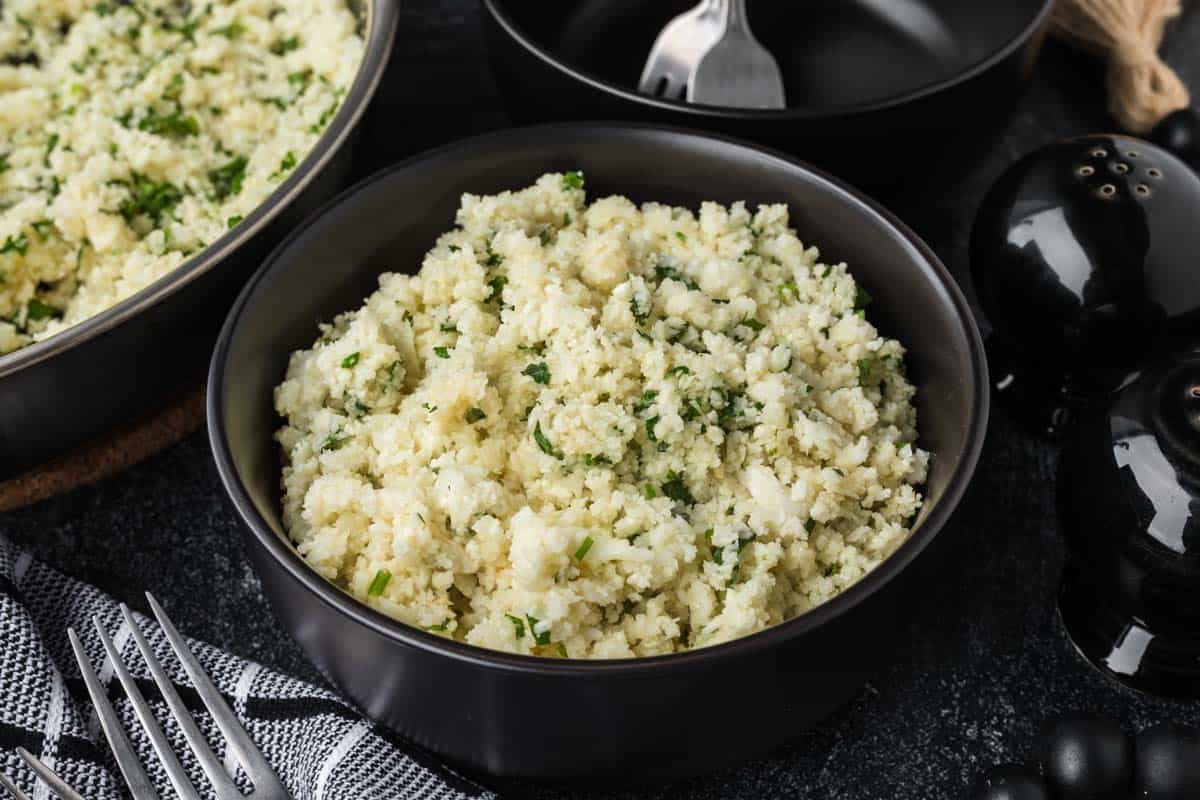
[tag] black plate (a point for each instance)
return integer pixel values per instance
(876, 88)
(618, 721)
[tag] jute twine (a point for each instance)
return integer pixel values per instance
(1142, 89)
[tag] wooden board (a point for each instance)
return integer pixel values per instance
(120, 450)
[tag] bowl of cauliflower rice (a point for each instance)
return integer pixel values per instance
(139, 142)
(570, 443)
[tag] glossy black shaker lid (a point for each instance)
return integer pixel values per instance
(1084, 259)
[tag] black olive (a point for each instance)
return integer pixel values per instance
(1086, 757)
(1179, 132)
(1010, 782)
(1167, 763)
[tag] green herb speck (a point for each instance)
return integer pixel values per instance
(583, 548)
(349, 361)
(539, 372)
(379, 583)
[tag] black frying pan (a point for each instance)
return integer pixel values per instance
(875, 88)
(129, 359)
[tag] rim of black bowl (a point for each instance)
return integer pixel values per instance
(285, 554)
(699, 110)
(382, 19)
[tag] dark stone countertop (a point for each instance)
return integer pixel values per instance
(987, 660)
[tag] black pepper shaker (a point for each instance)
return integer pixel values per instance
(1086, 259)
(1129, 506)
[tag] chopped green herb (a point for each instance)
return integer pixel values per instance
(538, 638)
(828, 269)
(787, 288)
(572, 180)
(15, 244)
(493, 259)
(175, 125)
(518, 626)
(473, 415)
(543, 443)
(540, 372)
(285, 45)
(4, 167)
(681, 236)
(334, 441)
(349, 361)
(286, 164)
(441, 628)
(650, 491)
(562, 650)
(497, 285)
(231, 31)
(718, 553)
(645, 402)
(441, 352)
(36, 311)
(753, 324)
(40, 226)
(677, 490)
(234, 221)
(51, 143)
(679, 370)
(448, 327)
(454, 248)
(537, 348)
(810, 525)
(831, 570)
(583, 548)
(591, 460)
(430, 407)
(379, 583)
(862, 298)
(650, 423)
(640, 312)
(174, 87)
(148, 198)
(670, 272)
(864, 370)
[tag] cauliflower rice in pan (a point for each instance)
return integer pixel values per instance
(601, 431)
(135, 132)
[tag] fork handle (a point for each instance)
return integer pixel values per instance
(732, 11)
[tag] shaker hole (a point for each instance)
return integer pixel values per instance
(1099, 152)
(1108, 190)
(1085, 171)
(1154, 172)
(1120, 168)
(1134, 154)
(1194, 391)
(1142, 189)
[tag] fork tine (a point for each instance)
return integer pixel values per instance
(127, 760)
(256, 766)
(47, 775)
(179, 779)
(11, 788)
(224, 785)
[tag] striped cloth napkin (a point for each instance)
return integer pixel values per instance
(322, 748)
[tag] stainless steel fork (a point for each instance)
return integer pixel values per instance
(679, 48)
(709, 55)
(266, 784)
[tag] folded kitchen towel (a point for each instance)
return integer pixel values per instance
(322, 748)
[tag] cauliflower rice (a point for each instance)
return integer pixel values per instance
(601, 431)
(135, 132)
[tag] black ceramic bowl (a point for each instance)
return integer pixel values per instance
(877, 89)
(130, 359)
(622, 720)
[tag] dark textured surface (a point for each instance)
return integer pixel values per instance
(987, 661)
